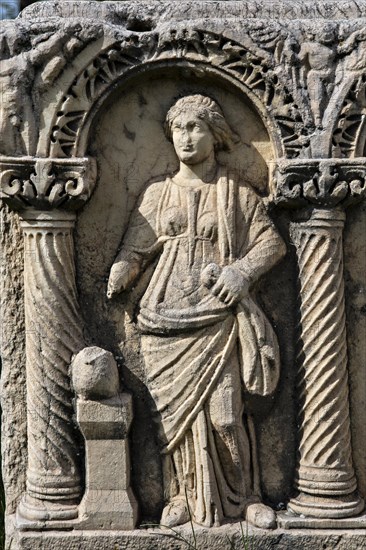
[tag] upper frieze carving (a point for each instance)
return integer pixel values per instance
(156, 11)
(32, 57)
(306, 79)
(321, 68)
(298, 76)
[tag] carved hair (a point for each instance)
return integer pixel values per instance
(207, 110)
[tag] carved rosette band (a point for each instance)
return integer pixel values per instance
(325, 476)
(54, 329)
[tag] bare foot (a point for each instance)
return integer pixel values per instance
(175, 513)
(261, 516)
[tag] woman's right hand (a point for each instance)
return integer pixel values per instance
(122, 274)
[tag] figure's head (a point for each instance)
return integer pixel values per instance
(327, 34)
(197, 127)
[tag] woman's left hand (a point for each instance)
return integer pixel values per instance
(231, 286)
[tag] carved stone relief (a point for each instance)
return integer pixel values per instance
(189, 223)
(294, 77)
(181, 178)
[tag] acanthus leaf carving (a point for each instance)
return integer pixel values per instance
(323, 183)
(46, 183)
(43, 178)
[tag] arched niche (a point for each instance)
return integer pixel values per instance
(127, 139)
(182, 71)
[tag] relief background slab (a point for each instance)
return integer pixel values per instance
(128, 143)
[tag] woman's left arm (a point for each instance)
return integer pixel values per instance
(261, 246)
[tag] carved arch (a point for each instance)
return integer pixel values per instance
(250, 68)
(195, 68)
(349, 134)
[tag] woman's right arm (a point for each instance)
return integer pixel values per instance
(124, 271)
(140, 243)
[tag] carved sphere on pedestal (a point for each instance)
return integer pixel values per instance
(94, 374)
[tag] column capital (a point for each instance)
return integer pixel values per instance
(46, 183)
(322, 183)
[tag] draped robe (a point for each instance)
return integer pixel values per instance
(200, 354)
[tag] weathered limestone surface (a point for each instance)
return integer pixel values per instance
(183, 273)
(13, 380)
(215, 539)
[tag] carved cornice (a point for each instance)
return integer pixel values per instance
(319, 182)
(287, 10)
(46, 183)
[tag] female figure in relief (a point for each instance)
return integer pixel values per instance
(204, 340)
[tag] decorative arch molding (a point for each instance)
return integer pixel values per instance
(193, 68)
(349, 135)
(248, 67)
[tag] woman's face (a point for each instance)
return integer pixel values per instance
(192, 138)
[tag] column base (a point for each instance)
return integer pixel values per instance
(33, 512)
(343, 506)
(289, 520)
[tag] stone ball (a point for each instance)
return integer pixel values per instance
(94, 374)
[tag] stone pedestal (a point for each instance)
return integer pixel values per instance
(108, 502)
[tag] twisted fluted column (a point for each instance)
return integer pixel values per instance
(46, 192)
(319, 190)
(54, 334)
(325, 474)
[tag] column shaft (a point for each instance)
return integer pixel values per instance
(325, 474)
(54, 334)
